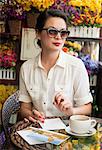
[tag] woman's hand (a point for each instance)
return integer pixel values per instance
(35, 117)
(63, 104)
(30, 114)
(38, 115)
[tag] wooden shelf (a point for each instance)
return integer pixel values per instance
(8, 82)
(9, 35)
(85, 39)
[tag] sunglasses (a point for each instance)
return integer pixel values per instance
(53, 32)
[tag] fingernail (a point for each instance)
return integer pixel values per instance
(26, 120)
(40, 116)
(42, 121)
(32, 119)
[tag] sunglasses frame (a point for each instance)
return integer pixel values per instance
(57, 31)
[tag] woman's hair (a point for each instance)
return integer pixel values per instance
(43, 17)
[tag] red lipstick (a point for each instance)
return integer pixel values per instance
(57, 44)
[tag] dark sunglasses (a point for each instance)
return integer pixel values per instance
(53, 32)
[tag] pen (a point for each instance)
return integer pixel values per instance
(59, 102)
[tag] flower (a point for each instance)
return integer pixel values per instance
(72, 48)
(12, 11)
(5, 92)
(91, 65)
(76, 46)
(75, 49)
(8, 57)
(38, 4)
(81, 12)
(2, 11)
(15, 12)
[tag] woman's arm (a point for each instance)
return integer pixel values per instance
(85, 109)
(64, 105)
(26, 111)
(69, 110)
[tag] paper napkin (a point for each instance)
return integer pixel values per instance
(53, 124)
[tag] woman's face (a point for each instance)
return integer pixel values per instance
(48, 41)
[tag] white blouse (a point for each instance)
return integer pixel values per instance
(68, 75)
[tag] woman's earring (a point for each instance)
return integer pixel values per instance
(36, 43)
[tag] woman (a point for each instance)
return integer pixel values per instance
(53, 83)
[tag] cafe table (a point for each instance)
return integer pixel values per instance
(93, 142)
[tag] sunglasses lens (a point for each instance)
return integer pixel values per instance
(64, 34)
(52, 32)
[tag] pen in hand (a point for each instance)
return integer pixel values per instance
(58, 102)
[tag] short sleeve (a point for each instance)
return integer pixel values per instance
(24, 95)
(82, 94)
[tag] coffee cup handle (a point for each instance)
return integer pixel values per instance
(93, 123)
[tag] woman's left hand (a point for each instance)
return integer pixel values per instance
(63, 104)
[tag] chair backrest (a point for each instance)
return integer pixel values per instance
(10, 106)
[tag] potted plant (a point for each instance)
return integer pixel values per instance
(2, 18)
(14, 14)
(81, 12)
(84, 17)
(38, 4)
(33, 8)
(75, 49)
(8, 61)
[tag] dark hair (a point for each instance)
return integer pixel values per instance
(42, 18)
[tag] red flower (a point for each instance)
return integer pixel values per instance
(65, 49)
(8, 57)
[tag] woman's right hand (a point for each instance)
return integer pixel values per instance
(38, 115)
(30, 114)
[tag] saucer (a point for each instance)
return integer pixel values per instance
(91, 132)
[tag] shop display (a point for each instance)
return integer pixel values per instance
(85, 25)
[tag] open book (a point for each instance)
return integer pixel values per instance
(38, 136)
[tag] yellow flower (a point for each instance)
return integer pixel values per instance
(99, 20)
(79, 21)
(42, 4)
(69, 43)
(6, 91)
(94, 5)
(0, 105)
(92, 20)
(39, 4)
(75, 45)
(75, 2)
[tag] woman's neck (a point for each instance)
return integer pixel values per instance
(48, 60)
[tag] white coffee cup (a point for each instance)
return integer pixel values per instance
(81, 124)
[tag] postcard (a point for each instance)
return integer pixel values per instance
(38, 136)
(53, 124)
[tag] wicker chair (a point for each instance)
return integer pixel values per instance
(10, 106)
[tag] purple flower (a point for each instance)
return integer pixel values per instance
(91, 65)
(12, 12)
